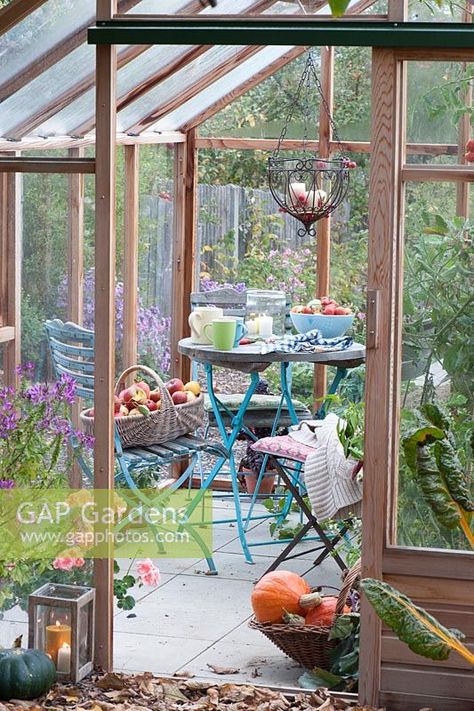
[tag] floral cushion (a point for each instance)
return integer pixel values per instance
(284, 447)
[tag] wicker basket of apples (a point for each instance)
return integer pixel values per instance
(146, 416)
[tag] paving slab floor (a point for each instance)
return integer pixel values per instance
(193, 621)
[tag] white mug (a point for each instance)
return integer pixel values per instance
(199, 318)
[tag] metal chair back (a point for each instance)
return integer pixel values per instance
(232, 302)
(72, 353)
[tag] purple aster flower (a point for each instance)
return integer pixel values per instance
(7, 484)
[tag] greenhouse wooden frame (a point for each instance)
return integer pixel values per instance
(442, 581)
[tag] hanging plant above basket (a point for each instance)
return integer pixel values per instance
(307, 186)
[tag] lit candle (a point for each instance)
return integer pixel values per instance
(266, 326)
(56, 636)
(297, 193)
(64, 659)
(315, 199)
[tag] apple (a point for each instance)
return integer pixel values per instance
(155, 395)
(152, 405)
(470, 156)
(117, 403)
(144, 386)
(133, 393)
(90, 413)
(179, 397)
(193, 387)
(340, 311)
(470, 145)
(329, 310)
(174, 385)
(307, 310)
(190, 396)
(121, 412)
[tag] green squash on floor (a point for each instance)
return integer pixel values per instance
(25, 673)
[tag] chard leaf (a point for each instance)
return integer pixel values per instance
(451, 469)
(422, 435)
(419, 630)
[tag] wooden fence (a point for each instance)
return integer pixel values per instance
(228, 216)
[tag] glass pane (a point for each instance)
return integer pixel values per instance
(41, 30)
(175, 85)
(437, 370)
(45, 88)
(428, 11)
(439, 103)
(207, 97)
(85, 640)
(81, 110)
(155, 256)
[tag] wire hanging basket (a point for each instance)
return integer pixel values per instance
(308, 187)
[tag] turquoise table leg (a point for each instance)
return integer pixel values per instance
(228, 439)
(285, 381)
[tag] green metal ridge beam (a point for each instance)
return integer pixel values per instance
(284, 31)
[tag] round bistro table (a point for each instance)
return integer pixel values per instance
(251, 360)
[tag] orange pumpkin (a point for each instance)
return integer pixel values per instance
(323, 615)
(279, 592)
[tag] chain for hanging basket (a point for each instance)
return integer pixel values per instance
(308, 187)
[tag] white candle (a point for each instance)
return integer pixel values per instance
(266, 326)
(297, 193)
(315, 199)
(252, 327)
(64, 659)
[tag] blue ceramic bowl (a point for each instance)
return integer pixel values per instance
(330, 326)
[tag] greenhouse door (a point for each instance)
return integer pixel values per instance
(439, 578)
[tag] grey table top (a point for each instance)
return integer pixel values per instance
(249, 358)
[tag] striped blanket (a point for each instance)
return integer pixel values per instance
(327, 473)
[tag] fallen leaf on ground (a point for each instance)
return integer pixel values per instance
(223, 670)
(184, 675)
(111, 681)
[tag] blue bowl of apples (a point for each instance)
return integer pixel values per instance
(324, 314)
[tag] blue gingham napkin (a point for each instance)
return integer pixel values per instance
(310, 342)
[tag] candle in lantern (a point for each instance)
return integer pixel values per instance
(315, 199)
(56, 636)
(64, 659)
(266, 326)
(297, 193)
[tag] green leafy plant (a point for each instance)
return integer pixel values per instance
(343, 672)
(419, 630)
(430, 452)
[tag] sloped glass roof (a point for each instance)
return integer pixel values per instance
(60, 101)
(53, 21)
(218, 89)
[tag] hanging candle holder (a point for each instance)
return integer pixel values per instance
(308, 187)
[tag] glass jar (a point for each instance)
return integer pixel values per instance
(266, 312)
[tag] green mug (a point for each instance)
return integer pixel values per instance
(221, 331)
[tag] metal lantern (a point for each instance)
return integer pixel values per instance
(308, 187)
(61, 624)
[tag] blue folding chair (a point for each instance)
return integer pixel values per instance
(72, 353)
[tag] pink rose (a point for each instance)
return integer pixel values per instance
(148, 573)
(63, 564)
(68, 563)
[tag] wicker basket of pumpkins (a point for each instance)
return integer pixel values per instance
(298, 619)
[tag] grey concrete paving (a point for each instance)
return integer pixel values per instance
(193, 620)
